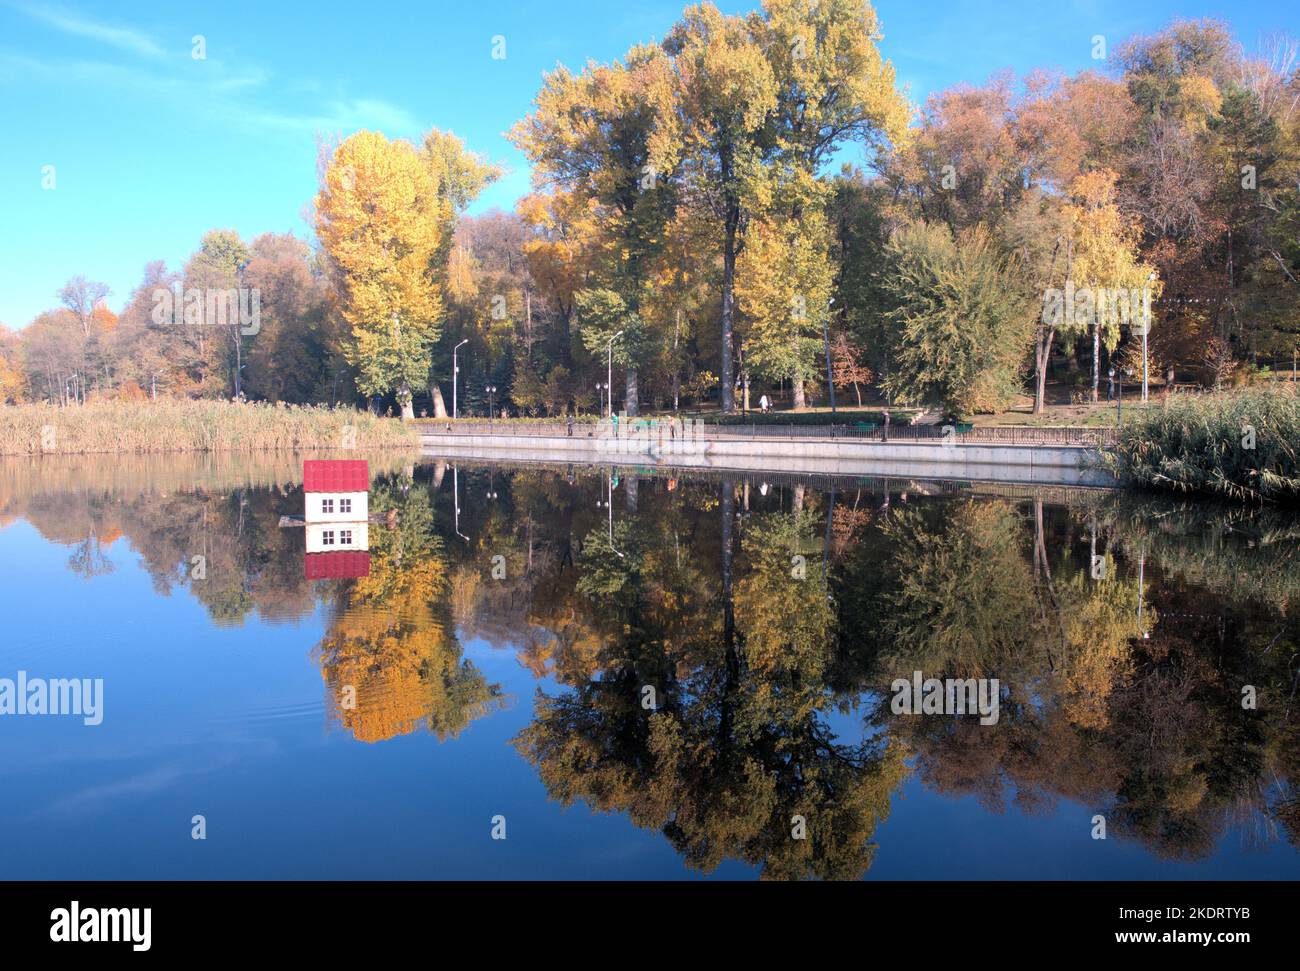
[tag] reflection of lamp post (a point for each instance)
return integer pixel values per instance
(609, 365)
(455, 481)
(1142, 565)
(608, 503)
(455, 370)
(491, 390)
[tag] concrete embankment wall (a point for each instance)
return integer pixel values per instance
(1040, 464)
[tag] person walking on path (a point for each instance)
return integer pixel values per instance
(569, 424)
(764, 403)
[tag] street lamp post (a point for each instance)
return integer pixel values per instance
(455, 370)
(600, 393)
(609, 376)
(491, 390)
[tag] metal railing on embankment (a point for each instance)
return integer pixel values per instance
(658, 429)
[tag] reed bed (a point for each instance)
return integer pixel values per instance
(1241, 445)
(193, 426)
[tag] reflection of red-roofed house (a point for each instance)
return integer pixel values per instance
(337, 514)
(336, 566)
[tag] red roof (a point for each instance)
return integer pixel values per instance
(336, 475)
(339, 565)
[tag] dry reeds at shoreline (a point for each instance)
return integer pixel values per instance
(142, 427)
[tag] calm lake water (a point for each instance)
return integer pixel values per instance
(637, 675)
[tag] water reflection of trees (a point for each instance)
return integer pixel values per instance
(735, 755)
(1121, 692)
(390, 657)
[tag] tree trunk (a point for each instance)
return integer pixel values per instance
(677, 362)
(439, 406)
(800, 401)
(630, 404)
(730, 230)
(1096, 358)
(632, 494)
(404, 399)
(239, 361)
(1043, 354)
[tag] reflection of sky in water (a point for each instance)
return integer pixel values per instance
(232, 722)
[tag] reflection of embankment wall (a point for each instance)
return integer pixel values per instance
(1047, 465)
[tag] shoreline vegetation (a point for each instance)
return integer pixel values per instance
(178, 425)
(1241, 446)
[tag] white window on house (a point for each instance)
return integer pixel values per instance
(327, 505)
(327, 538)
(345, 535)
(345, 505)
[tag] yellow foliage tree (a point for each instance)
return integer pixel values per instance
(1105, 261)
(784, 282)
(380, 218)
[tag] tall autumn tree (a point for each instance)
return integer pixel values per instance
(1104, 245)
(783, 293)
(460, 175)
(727, 92)
(378, 216)
(831, 86)
(612, 135)
(81, 297)
(216, 268)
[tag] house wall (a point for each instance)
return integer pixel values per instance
(316, 538)
(360, 507)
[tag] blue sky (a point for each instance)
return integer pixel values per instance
(152, 147)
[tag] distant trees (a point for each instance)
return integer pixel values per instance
(13, 381)
(296, 355)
